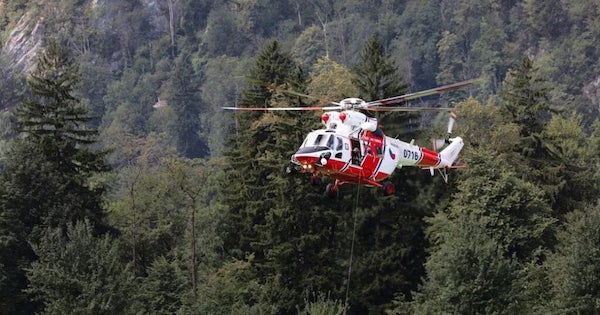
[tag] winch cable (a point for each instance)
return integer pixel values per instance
(352, 247)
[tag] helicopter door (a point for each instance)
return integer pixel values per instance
(356, 152)
(339, 147)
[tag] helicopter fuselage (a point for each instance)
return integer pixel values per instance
(353, 149)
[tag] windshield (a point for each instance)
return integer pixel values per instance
(320, 140)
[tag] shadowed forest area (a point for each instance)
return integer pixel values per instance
(126, 189)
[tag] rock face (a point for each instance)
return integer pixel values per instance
(26, 37)
(24, 41)
(592, 91)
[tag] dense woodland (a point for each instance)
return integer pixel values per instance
(125, 189)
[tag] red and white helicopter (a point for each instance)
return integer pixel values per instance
(353, 149)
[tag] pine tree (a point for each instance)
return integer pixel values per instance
(246, 186)
(553, 149)
(573, 267)
(55, 125)
(77, 272)
(376, 75)
(525, 102)
(496, 224)
(390, 239)
(299, 235)
(45, 176)
(278, 219)
(184, 98)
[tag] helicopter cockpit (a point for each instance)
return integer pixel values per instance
(319, 146)
(321, 140)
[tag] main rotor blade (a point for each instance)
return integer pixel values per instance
(409, 109)
(282, 89)
(412, 96)
(311, 108)
(316, 98)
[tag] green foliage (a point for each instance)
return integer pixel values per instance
(57, 115)
(309, 46)
(275, 217)
(513, 209)
(469, 273)
(376, 76)
(568, 143)
(491, 241)
(222, 83)
(331, 79)
(233, 289)
(573, 267)
(181, 93)
(251, 147)
(525, 102)
(95, 76)
(493, 135)
(322, 305)
(54, 125)
(421, 30)
(150, 214)
(495, 223)
(77, 272)
(223, 35)
(46, 173)
(161, 291)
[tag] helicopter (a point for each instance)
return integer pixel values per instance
(352, 148)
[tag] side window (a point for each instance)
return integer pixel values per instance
(340, 144)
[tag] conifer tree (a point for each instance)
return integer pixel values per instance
(573, 267)
(299, 235)
(55, 125)
(390, 238)
(496, 225)
(44, 182)
(77, 272)
(184, 98)
(376, 75)
(525, 102)
(550, 159)
(245, 188)
(278, 219)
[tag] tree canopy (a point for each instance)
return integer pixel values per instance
(125, 187)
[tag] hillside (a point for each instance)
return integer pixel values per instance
(127, 189)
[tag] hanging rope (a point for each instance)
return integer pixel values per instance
(351, 248)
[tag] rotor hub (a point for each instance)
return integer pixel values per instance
(353, 103)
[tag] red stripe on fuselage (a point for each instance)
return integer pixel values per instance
(429, 158)
(352, 174)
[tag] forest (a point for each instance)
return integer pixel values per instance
(126, 189)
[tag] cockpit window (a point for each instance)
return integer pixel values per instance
(323, 140)
(318, 140)
(330, 141)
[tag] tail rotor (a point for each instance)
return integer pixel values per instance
(440, 143)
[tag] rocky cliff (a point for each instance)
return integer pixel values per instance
(24, 37)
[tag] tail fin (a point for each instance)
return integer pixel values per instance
(450, 153)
